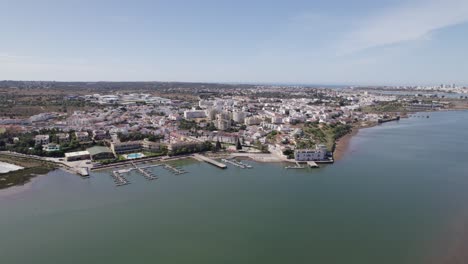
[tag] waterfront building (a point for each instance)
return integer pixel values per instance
(100, 153)
(151, 146)
(319, 153)
(78, 155)
(125, 147)
(187, 145)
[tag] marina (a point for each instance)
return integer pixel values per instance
(119, 179)
(147, 174)
(174, 170)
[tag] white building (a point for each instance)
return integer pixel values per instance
(319, 153)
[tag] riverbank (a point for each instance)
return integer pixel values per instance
(30, 169)
(342, 144)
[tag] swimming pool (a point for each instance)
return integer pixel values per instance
(134, 156)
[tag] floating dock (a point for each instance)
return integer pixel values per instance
(210, 161)
(148, 175)
(119, 179)
(294, 167)
(237, 163)
(173, 169)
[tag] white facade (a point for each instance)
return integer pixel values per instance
(319, 153)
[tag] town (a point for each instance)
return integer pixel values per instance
(282, 123)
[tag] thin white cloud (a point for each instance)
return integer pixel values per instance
(4, 55)
(404, 23)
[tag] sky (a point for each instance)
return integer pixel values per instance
(359, 42)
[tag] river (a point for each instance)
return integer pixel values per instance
(399, 195)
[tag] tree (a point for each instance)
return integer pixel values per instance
(238, 145)
(218, 145)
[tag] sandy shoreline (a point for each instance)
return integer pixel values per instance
(342, 144)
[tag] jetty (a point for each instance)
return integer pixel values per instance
(119, 179)
(237, 163)
(147, 174)
(151, 166)
(389, 119)
(210, 161)
(173, 169)
(294, 167)
(298, 166)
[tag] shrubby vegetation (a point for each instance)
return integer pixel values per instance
(188, 124)
(138, 136)
(205, 146)
(315, 133)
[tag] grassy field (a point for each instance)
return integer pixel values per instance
(390, 107)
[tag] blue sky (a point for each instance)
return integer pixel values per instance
(319, 42)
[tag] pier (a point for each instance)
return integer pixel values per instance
(210, 161)
(173, 169)
(148, 175)
(119, 179)
(237, 163)
(298, 166)
(389, 119)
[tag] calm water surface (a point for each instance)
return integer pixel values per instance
(395, 198)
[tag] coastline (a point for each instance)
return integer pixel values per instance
(342, 144)
(18, 189)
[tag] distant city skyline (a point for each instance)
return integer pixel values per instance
(388, 42)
